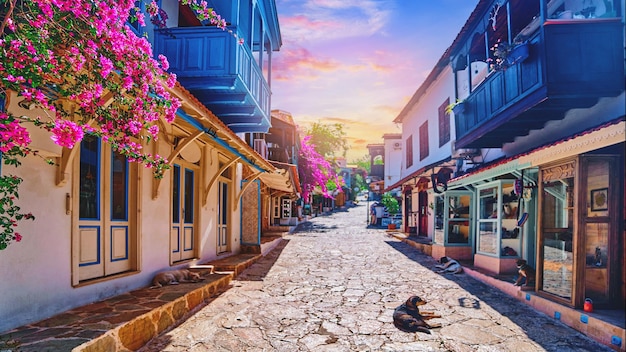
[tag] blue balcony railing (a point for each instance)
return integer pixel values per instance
(221, 73)
(571, 65)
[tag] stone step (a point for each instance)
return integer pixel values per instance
(120, 323)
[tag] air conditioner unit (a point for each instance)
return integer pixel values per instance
(397, 145)
(261, 147)
(463, 153)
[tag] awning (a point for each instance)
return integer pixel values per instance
(599, 137)
(424, 172)
(284, 179)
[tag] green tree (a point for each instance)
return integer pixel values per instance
(364, 163)
(328, 139)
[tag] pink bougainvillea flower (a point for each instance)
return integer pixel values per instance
(66, 133)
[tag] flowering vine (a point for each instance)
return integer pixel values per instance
(83, 65)
(314, 170)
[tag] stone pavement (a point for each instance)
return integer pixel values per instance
(333, 285)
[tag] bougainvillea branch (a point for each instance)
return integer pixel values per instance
(82, 64)
(314, 170)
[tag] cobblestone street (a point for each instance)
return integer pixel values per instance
(333, 286)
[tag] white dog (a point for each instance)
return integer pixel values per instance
(449, 265)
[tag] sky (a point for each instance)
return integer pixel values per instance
(358, 62)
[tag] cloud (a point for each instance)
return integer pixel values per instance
(350, 18)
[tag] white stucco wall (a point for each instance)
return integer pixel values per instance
(393, 160)
(36, 272)
(426, 109)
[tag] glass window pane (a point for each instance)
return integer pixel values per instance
(487, 238)
(558, 202)
(598, 186)
(119, 187)
(224, 207)
(558, 264)
(89, 203)
(558, 228)
(459, 206)
(189, 209)
(176, 194)
(458, 231)
(488, 203)
(438, 238)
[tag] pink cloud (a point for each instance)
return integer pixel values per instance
(299, 62)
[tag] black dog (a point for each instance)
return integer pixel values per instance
(407, 317)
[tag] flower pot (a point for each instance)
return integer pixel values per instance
(518, 54)
(458, 108)
(391, 226)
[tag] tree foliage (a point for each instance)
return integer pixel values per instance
(364, 163)
(328, 139)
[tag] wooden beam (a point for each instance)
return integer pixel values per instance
(214, 178)
(243, 190)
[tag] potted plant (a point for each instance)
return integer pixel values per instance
(457, 107)
(391, 204)
(508, 54)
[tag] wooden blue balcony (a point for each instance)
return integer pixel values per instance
(572, 64)
(220, 73)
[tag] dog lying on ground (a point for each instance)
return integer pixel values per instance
(174, 277)
(526, 274)
(449, 265)
(408, 318)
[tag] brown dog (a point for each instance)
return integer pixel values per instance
(407, 317)
(526, 273)
(174, 277)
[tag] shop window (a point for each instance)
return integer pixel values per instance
(597, 227)
(452, 218)
(439, 209)
(557, 230)
(498, 233)
(488, 221)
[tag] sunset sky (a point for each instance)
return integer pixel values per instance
(358, 62)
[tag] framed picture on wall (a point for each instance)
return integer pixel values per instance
(599, 199)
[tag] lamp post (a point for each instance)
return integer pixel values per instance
(367, 197)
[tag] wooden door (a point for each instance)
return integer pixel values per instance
(223, 213)
(104, 241)
(182, 233)
(423, 214)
